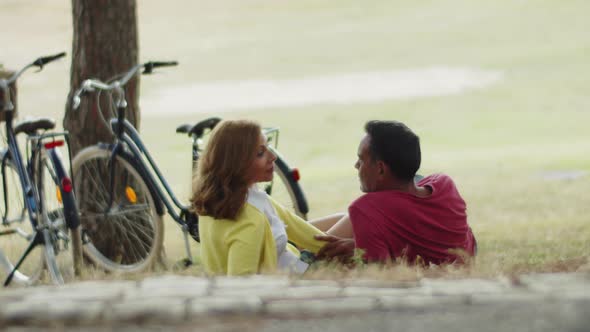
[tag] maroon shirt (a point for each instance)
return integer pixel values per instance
(391, 224)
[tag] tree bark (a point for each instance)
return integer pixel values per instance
(13, 94)
(105, 44)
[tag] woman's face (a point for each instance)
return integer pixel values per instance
(263, 166)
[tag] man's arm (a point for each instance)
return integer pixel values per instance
(368, 236)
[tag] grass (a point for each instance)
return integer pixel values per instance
(496, 142)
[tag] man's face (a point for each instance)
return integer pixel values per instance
(367, 168)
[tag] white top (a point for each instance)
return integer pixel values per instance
(287, 261)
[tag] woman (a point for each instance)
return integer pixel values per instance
(243, 230)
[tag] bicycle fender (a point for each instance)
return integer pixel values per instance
(301, 200)
(68, 198)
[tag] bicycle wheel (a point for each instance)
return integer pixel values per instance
(124, 234)
(52, 202)
(285, 189)
(16, 231)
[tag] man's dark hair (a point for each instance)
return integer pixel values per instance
(396, 145)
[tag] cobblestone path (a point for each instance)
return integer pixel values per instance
(273, 303)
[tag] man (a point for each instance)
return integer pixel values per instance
(423, 222)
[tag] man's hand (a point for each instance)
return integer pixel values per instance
(335, 247)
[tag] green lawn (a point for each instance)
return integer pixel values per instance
(496, 142)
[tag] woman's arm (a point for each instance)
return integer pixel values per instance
(298, 230)
(245, 248)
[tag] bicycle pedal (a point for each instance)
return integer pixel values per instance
(183, 263)
(187, 262)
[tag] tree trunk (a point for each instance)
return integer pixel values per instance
(13, 94)
(105, 44)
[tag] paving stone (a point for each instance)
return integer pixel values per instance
(577, 295)
(160, 310)
(19, 293)
(421, 301)
(29, 313)
(177, 300)
(235, 292)
(511, 297)
(17, 312)
(381, 283)
(252, 282)
(99, 284)
(309, 292)
(224, 305)
(375, 292)
(249, 286)
(306, 283)
(175, 292)
(171, 280)
(463, 286)
(91, 292)
(572, 284)
(74, 312)
(321, 306)
(82, 291)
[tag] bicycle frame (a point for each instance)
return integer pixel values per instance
(26, 168)
(128, 136)
(30, 194)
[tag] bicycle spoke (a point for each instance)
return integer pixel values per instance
(126, 235)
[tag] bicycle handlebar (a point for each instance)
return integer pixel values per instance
(149, 67)
(117, 85)
(47, 59)
(40, 62)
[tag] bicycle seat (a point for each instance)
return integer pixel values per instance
(32, 125)
(198, 129)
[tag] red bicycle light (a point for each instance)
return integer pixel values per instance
(53, 144)
(295, 174)
(66, 185)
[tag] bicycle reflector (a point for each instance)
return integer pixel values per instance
(295, 174)
(131, 196)
(53, 144)
(58, 194)
(66, 185)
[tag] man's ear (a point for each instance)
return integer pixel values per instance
(381, 168)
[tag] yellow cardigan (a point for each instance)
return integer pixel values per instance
(246, 245)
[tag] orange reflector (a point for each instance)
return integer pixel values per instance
(53, 144)
(58, 194)
(295, 174)
(131, 196)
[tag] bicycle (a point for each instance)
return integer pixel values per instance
(39, 206)
(127, 209)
